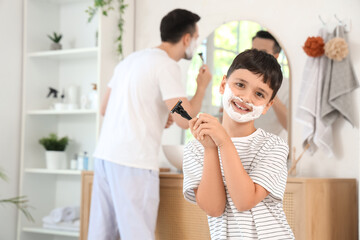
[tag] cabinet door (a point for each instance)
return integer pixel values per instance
(86, 182)
(294, 208)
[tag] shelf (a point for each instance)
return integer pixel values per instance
(52, 232)
(53, 171)
(65, 54)
(61, 112)
(66, 1)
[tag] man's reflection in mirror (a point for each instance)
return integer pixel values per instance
(264, 41)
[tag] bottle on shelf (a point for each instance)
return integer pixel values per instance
(80, 162)
(73, 162)
(93, 97)
(85, 161)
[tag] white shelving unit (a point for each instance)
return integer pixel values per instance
(78, 63)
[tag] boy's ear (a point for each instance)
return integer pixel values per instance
(222, 85)
(267, 107)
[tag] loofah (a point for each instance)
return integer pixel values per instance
(336, 49)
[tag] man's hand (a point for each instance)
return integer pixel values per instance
(204, 77)
(170, 121)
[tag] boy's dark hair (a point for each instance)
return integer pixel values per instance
(266, 35)
(260, 63)
(177, 23)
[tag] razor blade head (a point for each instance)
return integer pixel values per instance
(201, 56)
(176, 106)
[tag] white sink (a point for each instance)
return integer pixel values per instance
(174, 154)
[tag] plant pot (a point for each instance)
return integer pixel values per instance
(55, 46)
(55, 160)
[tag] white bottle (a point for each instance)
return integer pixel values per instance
(73, 97)
(73, 163)
(80, 162)
(93, 97)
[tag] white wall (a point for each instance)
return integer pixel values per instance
(291, 24)
(10, 108)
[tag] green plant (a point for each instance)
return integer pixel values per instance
(105, 6)
(20, 202)
(55, 37)
(52, 143)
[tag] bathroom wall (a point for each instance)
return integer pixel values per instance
(291, 23)
(10, 108)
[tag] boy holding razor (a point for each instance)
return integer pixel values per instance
(233, 171)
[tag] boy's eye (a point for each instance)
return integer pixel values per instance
(259, 94)
(240, 85)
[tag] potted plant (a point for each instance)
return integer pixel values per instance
(56, 41)
(55, 151)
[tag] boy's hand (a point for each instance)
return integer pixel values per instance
(206, 140)
(207, 125)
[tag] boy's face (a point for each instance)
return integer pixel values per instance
(250, 88)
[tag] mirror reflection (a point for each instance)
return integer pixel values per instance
(218, 51)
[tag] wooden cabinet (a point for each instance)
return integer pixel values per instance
(86, 189)
(320, 208)
(315, 209)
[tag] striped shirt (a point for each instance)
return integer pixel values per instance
(263, 156)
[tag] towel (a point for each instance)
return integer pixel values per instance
(339, 82)
(64, 214)
(315, 132)
(71, 213)
(63, 226)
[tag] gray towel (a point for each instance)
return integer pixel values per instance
(339, 82)
(315, 132)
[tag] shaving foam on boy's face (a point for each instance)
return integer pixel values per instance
(251, 112)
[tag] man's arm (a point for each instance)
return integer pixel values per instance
(194, 105)
(105, 102)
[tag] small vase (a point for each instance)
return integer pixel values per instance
(55, 46)
(55, 160)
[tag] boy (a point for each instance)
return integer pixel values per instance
(235, 172)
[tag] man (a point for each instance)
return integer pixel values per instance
(264, 41)
(144, 88)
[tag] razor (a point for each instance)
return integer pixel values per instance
(180, 110)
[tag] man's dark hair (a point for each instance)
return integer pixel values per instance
(262, 64)
(177, 23)
(266, 35)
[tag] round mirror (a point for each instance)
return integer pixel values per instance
(218, 51)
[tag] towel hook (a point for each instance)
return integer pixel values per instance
(346, 26)
(321, 20)
(338, 20)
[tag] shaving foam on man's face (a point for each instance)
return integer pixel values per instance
(245, 111)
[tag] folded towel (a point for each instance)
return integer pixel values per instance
(71, 213)
(64, 214)
(63, 226)
(339, 82)
(315, 132)
(57, 215)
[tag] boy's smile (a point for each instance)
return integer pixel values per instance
(241, 107)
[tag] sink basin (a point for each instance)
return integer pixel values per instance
(174, 154)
